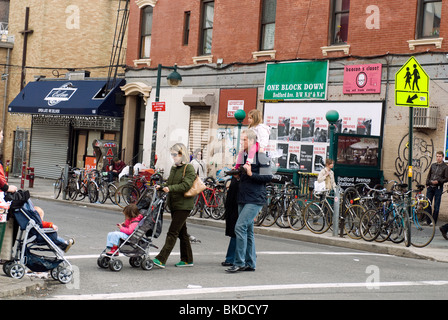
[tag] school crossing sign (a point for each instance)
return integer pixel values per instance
(412, 85)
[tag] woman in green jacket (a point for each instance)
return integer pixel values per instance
(182, 176)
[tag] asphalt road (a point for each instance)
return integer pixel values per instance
(286, 270)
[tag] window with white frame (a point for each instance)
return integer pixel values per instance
(146, 31)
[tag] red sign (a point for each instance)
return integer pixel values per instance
(158, 106)
(363, 78)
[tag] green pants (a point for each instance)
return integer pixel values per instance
(178, 229)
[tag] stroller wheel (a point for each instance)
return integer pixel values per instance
(115, 265)
(103, 262)
(147, 264)
(135, 262)
(17, 271)
(65, 275)
(7, 267)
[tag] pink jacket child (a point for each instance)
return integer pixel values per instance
(133, 217)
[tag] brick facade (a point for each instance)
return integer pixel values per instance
(302, 28)
(67, 34)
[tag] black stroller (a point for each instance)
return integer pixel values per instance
(137, 245)
(34, 246)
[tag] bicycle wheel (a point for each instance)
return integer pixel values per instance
(103, 192)
(92, 191)
(129, 194)
(397, 229)
(197, 205)
(295, 215)
(370, 225)
(406, 227)
(315, 219)
(58, 187)
(272, 212)
(386, 227)
(216, 205)
(111, 189)
(261, 215)
(352, 219)
(351, 196)
(422, 228)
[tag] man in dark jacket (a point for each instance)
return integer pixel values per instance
(251, 198)
(437, 176)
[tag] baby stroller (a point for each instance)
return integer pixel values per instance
(34, 246)
(137, 245)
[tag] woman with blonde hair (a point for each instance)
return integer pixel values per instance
(180, 180)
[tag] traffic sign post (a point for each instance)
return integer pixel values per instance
(411, 90)
(412, 85)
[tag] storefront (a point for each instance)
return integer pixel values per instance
(67, 116)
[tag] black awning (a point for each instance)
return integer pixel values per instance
(77, 97)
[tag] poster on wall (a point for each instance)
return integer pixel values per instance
(300, 134)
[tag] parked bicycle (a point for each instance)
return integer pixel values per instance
(61, 184)
(211, 201)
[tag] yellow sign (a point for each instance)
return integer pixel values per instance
(412, 85)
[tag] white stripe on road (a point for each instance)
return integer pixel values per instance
(198, 291)
(91, 256)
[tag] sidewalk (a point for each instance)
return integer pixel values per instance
(43, 189)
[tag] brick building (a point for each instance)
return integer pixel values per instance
(66, 41)
(223, 50)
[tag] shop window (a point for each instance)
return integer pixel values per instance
(429, 17)
(268, 24)
(146, 31)
(187, 16)
(340, 17)
(208, 11)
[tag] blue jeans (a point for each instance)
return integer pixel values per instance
(245, 240)
(113, 238)
(230, 255)
(434, 194)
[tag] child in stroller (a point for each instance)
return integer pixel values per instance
(133, 217)
(34, 243)
(136, 246)
(60, 242)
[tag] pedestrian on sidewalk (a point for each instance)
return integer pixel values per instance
(180, 180)
(11, 224)
(437, 176)
(327, 175)
(231, 216)
(251, 198)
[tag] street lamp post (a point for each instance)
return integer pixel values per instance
(239, 116)
(174, 79)
(332, 117)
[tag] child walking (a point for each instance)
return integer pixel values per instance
(132, 218)
(262, 131)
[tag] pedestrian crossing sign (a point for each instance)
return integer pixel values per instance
(412, 85)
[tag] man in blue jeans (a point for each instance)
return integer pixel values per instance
(437, 176)
(251, 198)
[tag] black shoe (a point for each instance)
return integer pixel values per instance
(234, 269)
(226, 264)
(247, 268)
(443, 233)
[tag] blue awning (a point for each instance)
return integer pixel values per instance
(65, 97)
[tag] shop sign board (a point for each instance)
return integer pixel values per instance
(303, 80)
(362, 79)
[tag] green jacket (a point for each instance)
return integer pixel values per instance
(178, 185)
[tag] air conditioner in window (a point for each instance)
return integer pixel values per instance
(425, 118)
